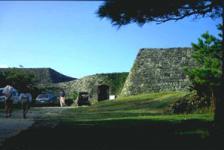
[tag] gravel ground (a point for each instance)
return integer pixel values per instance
(10, 127)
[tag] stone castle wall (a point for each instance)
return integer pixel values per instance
(157, 70)
(90, 84)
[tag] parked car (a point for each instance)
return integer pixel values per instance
(2, 97)
(15, 96)
(83, 99)
(46, 99)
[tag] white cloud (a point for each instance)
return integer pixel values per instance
(4, 66)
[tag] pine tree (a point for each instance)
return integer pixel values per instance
(207, 75)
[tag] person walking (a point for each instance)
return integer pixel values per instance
(62, 98)
(7, 91)
(25, 99)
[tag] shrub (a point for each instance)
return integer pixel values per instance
(69, 101)
(190, 103)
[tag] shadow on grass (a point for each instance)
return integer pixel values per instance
(119, 135)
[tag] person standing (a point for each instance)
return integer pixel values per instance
(7, 91)
(62, 98)
(26, 99)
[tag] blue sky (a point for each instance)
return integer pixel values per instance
(70, 38)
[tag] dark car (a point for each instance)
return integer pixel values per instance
(83, 99)
(46, 99)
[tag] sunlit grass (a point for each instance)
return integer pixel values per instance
(132, 109)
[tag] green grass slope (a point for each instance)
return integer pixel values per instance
(143, 107)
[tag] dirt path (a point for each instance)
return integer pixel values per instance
(13, 126)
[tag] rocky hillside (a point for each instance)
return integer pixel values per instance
(157, 70)
(115, 81)
(44, 75)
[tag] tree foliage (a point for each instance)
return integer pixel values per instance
(207, 54)
(122, 12)
(19, 79)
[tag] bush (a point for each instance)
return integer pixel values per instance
(69, 101)
(190, 103)
(74, 95)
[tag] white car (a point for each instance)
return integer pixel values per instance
(15, 96)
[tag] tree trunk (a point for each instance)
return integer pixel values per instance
(213, 101)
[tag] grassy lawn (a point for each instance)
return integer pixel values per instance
(133, 109)
(146, 110)
(138, 122)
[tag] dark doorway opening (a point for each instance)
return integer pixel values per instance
(83, 98)
(103, 92)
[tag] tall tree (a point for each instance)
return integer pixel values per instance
(205, 77)
(123, 12)
(19, 79)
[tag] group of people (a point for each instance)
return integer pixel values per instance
(24, 98)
